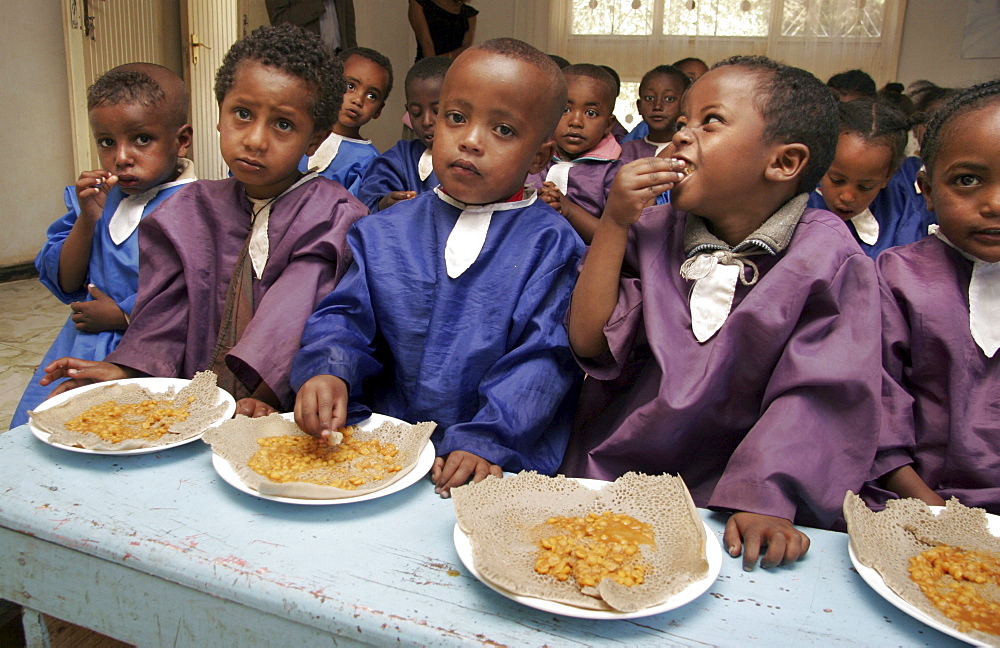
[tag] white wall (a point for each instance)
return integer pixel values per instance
(35, 146)
(932, 46)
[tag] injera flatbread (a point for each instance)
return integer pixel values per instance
(236, 441)
(501, 517)
(204, 410)
(886, 540)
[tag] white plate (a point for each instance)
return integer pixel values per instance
(874, 579)
(156, 385)
(713, 553)
(424, 463)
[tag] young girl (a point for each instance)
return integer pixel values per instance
(659, 104)
(940, 308)
(869, 150)
(230, 269)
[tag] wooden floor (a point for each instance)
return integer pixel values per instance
(30, 318)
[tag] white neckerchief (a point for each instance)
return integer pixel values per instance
(260, 246)
(659, 145)
(425, 165)
(328, 150)
(558, 174)
(715, 268)
(984, 299)
(129, 211)
(866, 226)
(469, 234)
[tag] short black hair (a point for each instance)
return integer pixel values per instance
(559, 60)
(853, 81)
(552, 103)
(122, 86)
(375, 57)
(614, 75)
(667, 70)
(597, 73)
(797, 108)
(876, 122)
(690, 59)
(978, 96)
(298, 53)
(430, 67)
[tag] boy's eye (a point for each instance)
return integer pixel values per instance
(649, 98)
(143, 139)
(284, 125)
(455, 118)
(592, 113)
(372, 96)
(242, 113)
(865, 189)
(504, 130)
(712, 119)
(350, 85)
(105, 142)
(967, 180)
(566, 110)
(670, 99)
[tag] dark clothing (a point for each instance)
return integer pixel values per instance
(447, 29)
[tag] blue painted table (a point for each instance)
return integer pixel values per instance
(158, 550)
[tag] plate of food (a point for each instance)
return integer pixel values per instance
(645, 550)
(132, 416)
(271, 458)
(918, 557)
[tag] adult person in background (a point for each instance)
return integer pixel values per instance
(442, 27)
(333, 20)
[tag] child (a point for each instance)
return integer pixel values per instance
(852, 84)
(870, 147)
(940, 300)
(659, 103)
(732, 336)
(453, 309)
(405, 170)
(138, 115)
(344, 156)
(232, 268)
(692, 67)
(576, 182)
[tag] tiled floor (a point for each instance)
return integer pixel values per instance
(30, 318)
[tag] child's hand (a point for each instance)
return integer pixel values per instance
(551, 195)
(92, 189)
(394, 197)
(457, 469)
(82, 372)
(321, 406)
(750, 532)
(101, 314)
(637, 185)
(253, 408)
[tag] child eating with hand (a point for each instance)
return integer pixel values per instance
(732, 335)
(406, 169)
(940, 308)
(138, 116)
(453, 310)
(344, 155)
(577, 179)
(231, 269)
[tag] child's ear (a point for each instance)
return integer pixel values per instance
(185, 136)
(379, 111)
(788, 162)
(924, 182)
(542, 156)
(317, 138)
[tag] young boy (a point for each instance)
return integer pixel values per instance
(344, 156)
(732, 336)
(405, 170)
(138, 116)
(577, 179)
(232, 268)
(659, 104)
(453, 310)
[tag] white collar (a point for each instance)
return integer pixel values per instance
(558, 174)
(984, 298)
(866, 226)
(468, 236)
(659, 145)
(425, 165)
(260, 214)
(129, 211)
(328, 150)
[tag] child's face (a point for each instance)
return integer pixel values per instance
(137, 144)
(587, 118)
(488, 134)
(693, 69)
(266, 127)
(964, 188)
(720, 137)
(859, 171)
(422, 97)
(364, 96)
(659, 104)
